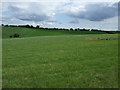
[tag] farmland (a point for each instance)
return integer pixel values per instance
(59, 59)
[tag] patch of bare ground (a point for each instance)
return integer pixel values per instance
(102, 39)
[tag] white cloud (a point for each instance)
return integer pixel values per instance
(28, 11)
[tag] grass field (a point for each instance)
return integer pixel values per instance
(31, 32)
(64, 61)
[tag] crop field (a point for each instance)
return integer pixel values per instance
(57, 60)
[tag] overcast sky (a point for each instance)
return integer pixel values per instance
(97, 14)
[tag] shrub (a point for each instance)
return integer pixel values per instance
(11, 36)
(14, 35)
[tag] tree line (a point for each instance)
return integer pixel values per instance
(71, 29)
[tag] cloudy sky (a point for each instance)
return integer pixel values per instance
(97, 14)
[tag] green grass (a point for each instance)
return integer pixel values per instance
(68, 61)
(28, 32)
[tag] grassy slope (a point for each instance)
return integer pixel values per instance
(27, 32)
(60, 61)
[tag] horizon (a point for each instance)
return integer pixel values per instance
(10, 25)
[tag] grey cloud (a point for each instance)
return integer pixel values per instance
(97, 12)
(74, 21)
(13, 8)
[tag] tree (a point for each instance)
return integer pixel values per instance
(37, 26)
(6, 25)
(76, 29)
(27, 26)
(2, 25)
(84, 29)
(31, 26)
(71, 29)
